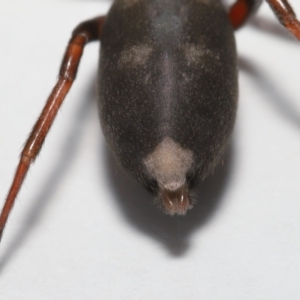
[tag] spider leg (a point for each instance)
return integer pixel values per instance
(84, 33)
(241, 10)
(286, 16)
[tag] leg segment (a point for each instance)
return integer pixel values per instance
(84, 33)
(286, 16)
(241, 10)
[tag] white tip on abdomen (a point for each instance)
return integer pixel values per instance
(168, 164)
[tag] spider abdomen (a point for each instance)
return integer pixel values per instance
(168, 90)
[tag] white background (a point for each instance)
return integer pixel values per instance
(81, 230)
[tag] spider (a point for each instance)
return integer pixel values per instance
(156, 126)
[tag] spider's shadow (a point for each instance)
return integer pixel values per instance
(46, 192)
(282, 104)
(173, 232)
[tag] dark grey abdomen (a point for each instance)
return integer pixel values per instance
(167, 69)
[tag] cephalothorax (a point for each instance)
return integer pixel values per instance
(167, 90)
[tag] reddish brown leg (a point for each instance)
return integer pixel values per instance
(286, 16)
(86, 32)
(241, 10)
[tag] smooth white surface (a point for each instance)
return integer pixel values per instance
(81, 230)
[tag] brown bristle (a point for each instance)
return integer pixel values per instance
(175, 201)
